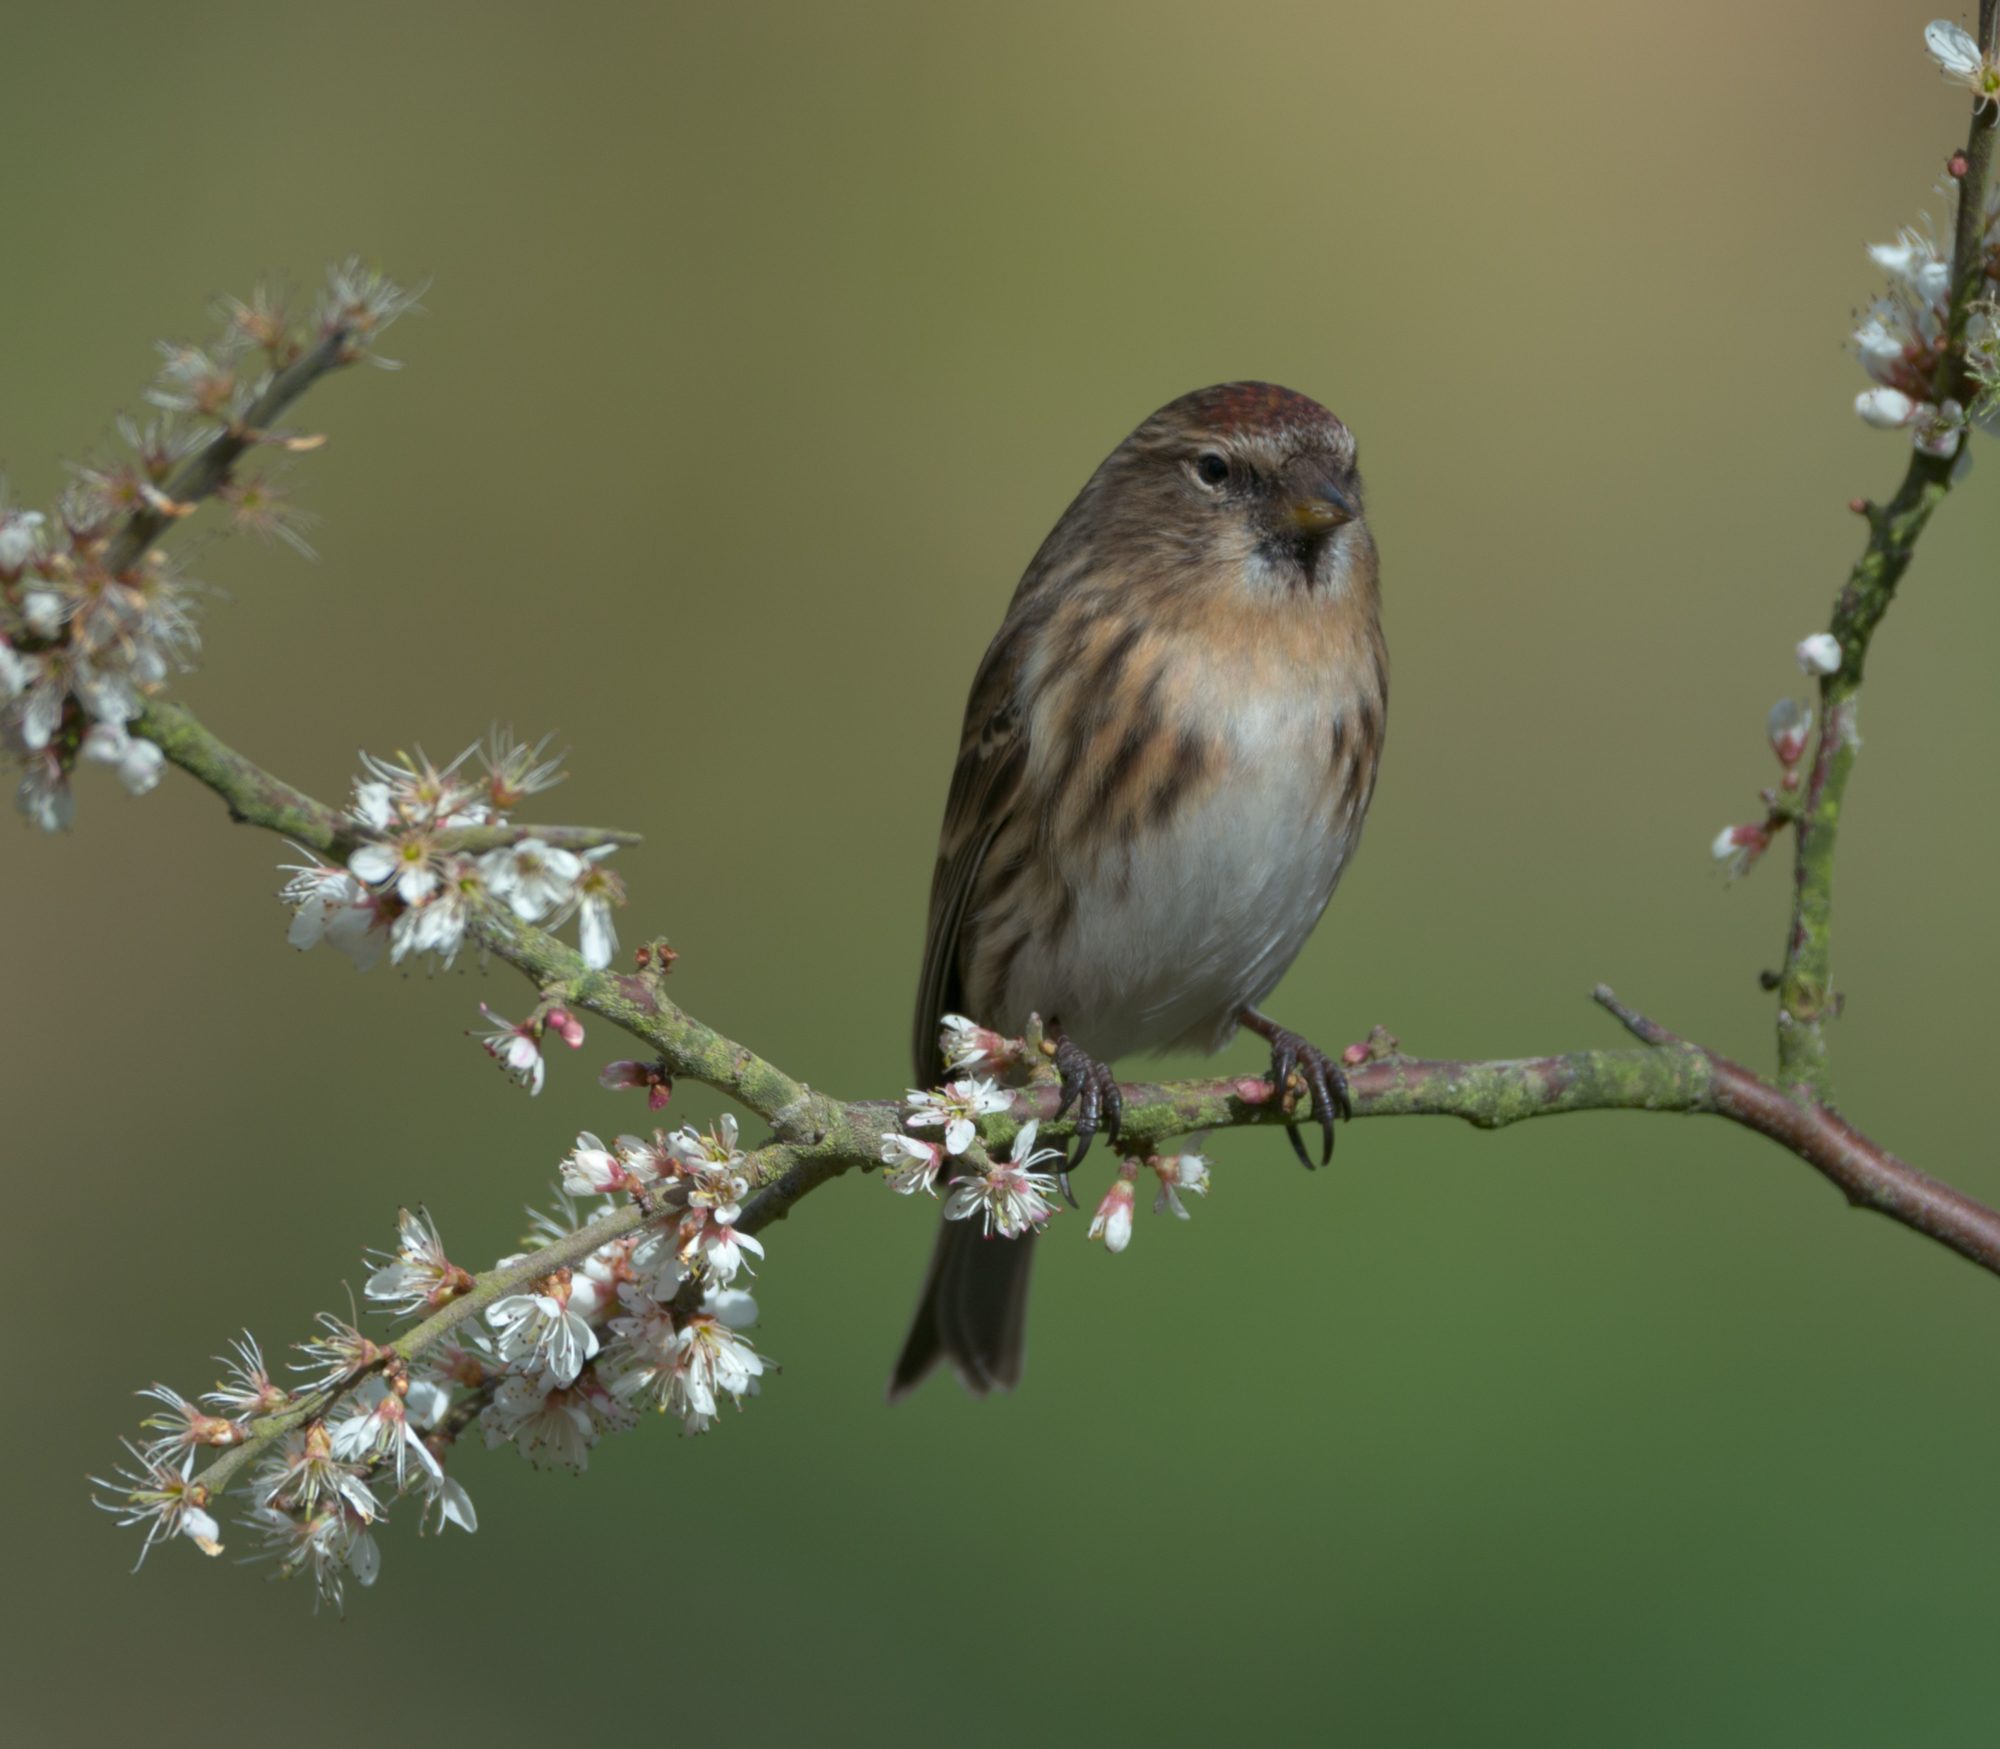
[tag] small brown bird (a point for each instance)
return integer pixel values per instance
(1167, 757)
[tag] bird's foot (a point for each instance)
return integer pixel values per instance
(1292, 1055)
(1091, 1087)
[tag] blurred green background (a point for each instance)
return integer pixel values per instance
(764, 343)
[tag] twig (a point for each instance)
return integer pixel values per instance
(1806, 999)
(208, 469)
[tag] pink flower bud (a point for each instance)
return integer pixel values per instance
(1737, 847)
(1788, 725)
(565, 1026)
(1113, 1221)
(659, 1085)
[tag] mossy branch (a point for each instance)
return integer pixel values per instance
(1806, 997)
(827, 1136)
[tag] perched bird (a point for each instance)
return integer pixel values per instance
(1168, 753)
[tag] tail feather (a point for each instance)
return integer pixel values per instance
(973, 1313)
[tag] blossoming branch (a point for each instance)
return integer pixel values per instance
(628, 1293)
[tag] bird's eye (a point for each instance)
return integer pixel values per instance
(1210, 469)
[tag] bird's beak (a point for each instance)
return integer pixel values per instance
(1322, 508)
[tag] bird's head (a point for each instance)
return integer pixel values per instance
(1245, 480)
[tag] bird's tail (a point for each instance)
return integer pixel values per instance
(973, 1313)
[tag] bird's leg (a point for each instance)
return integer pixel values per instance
(1091, 1087)
(1320, 1073)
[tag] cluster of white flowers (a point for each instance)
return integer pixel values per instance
(87, 634)
(408, 889)
(1009, 1196)
(650, 1319)
(1901, 339)
(313, 1493)
(80, 648)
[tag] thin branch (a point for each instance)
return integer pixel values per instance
(1806, 998)
(827, 1136)
(257, 798)
(208, 469)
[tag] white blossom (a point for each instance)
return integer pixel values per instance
(1959, 60)
(166, 1502)
(138, 762)
(303, 1474)
(404, 863)
(598, 893)
(246, 1388)
(958, 1107)
(1913, 261)
(711, 1167)
(517, 1048)
(540, 1331)
(1009, 1196)
(181, 1426)
(412, 794)
(592, 1169)
(41, 609)
(685, 1367)
(531, 878)
(374, 1427)
(451, 1503)
(20, 540)
(419, 1277)
(328, 1544)
(515, 770)
(1939, 430)
(17, 672)
(719, 1246)
(968, 1045)
(915, 1164)
(1178, 1172)
(547, 1422)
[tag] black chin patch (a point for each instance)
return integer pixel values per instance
(1295, 552)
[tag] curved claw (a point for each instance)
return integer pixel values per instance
(1091, 1087)
(1323, 1078)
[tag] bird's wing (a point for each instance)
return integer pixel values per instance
(985, 790)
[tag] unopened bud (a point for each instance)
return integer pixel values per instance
(659, 1085)
(1788, 725)
(1737, 847)
(565, 1026)
(1113, 1221)
(1885, 409)
(967, 1046)
(1819, 654)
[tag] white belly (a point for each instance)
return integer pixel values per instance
(1202, 915)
